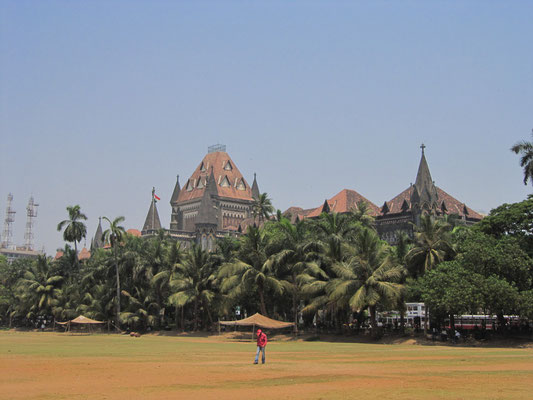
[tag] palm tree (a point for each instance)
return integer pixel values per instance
(40, 288)
(334, 230)
(114, 236)
(525, 149)
(432, 245)
(402, 247)
(368, 278)
(193, 282)
(295, 261)
(250, 272)
(361, 214)
(262, 207)
(142, 309)
(75, 230)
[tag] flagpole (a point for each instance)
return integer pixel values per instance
(153, 207)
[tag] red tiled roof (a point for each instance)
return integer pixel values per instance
(134, 232)
(217, 160)
(84, 254)
(345, 201)
(453, 205)
(58, 255)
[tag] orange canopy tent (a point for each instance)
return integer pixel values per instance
(259, 321)
(80, 320)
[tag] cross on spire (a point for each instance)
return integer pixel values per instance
(422, 146)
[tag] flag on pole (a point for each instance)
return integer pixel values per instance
(156, 197)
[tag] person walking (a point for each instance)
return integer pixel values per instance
(261, 344)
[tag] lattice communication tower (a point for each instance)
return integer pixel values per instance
(31, 213)
(8, 222)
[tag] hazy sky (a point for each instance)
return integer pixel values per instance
(101, 100)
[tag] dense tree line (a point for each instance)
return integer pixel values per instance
(333, 269)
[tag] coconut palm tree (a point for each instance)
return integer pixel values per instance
(295, 263)
(193, 281)
(361, 214)
(262, 207)
(40, 288)
(142, 309)
(250, 272)
(368, 278)
(334, 230)
(75, 229)
(402, 247)
(431, 246)
(97, 303)
(525, 149)
(114, 236)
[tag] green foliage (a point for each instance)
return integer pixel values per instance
(432, 245)
(488, 255)
(75, 229)
(514, 220)
(525, 149)
(451, 289)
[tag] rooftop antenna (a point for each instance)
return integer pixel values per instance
(31, 213)
(8, 221)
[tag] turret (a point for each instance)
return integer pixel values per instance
(98, 242)
(255, 189)
(152, 223)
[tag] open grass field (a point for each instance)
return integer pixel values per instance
(37, 365)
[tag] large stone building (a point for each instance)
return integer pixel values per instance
(215, 201)
(403, 211)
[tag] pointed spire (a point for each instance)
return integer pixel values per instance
(152, 222)
(425, 192)
(385, 209)
(176, 192)
(98, 242)
(207, 213)
(325, 207)
(255, 188)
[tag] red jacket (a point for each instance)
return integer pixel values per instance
(262, 340)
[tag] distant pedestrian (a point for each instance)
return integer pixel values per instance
(261, 345)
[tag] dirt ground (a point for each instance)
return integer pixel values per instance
(59, 366)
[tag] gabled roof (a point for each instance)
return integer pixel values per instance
(452, 205)
(134, 232)
(84, 254)
(345, 201)
(216, 162)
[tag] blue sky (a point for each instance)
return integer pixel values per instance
(101, 100)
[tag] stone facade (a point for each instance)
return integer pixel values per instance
(215, 201)
(401, 213)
